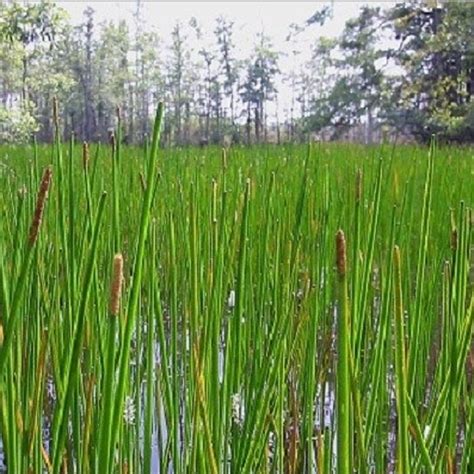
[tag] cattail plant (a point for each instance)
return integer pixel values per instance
(229, 344)
(115, 143)
(142, 181)
(40, 204)
(72, 355)
(12, 318)
(124, 360)
(454, 239)
(104, 451)
(117, 282)
(85, 156)
(344, 448)
(401, 371)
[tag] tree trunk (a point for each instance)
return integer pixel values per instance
(131, 115)
(470, 85)
(277, 120)
(24, 91)
(257, 126)
(370, 125)
(187, 124)
(265, 131)
(88, 105)
(248, 125)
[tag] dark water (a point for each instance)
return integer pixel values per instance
(3, 468)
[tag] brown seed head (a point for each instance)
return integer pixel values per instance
(341, 252)
(118, 111)
(117, 281)
(40, 203)
(454, 239)
(85, 155)
(142, 181)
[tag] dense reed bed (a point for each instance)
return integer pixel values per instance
(273, 309)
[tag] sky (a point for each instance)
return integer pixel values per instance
(274, 18)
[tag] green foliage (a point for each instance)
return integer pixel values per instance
(237, 335)
(410, 66)
(31, 23)
(29, 35)
(353, 90)
(437, 54)
(261, 70)
(404, 69)
(258, 86)
(18, 125)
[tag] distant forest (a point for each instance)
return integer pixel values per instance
(405, 70)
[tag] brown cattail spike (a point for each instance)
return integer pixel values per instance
(454, 232)
(142, 181)
(117, 281)
(119, 114)
(454, 239)
(56, 112)
(40, 203)
(85, 155)
(341, 253)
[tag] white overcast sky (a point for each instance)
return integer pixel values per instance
(250, 17)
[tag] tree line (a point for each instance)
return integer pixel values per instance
(405, 70)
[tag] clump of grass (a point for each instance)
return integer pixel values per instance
(238, 335)
(12, 314)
